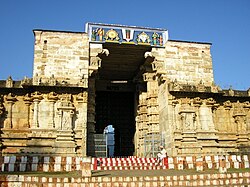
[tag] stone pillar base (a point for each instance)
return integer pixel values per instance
(86, 167)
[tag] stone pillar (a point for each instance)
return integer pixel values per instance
(188, 117)
(52, 98)
(141, 124)
(10, 99)
(37, 97)
(222, 164)
(86, 167)
(227, 106)
(241, 122)
(28, 100)
(91, 117)
(96, 51)
(82, 99)
(199, 163)
(65, 143)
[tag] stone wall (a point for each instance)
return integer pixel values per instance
(231, 179)
(207, 121)
(43, 122)
(188, 62)
(61, 55)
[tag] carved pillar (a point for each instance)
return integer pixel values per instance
(240, 120)
(141, 123)
(10, 99)
(227, 106)
(211, 103)
(206, 115)
(158, 65)
(52, 98)
(188, 117)
(91, 118)
(82, 99)
(96, 51)
(65, 143)
(28, 101)
(37, 97)
(2, 109)
(174, 103)
(197, 102)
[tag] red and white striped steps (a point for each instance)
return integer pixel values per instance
(129, 163)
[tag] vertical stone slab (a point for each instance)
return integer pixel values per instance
(86, 167)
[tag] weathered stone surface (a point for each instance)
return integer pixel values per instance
(176, 101)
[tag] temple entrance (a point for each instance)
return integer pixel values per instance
(116, 93)
(117, 108)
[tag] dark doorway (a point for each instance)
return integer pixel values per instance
(117, 108)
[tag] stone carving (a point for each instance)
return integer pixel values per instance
(36, 79)
(52, 81)
(9, 82)
(197, 101)
(83, 82)
(210, 101)
(82, 97)
(37, 97)
(231, 91)
(26, 81)
(149, 77)
(240, 117)
(214, 88)
(188, 120)
(227, 105)
(2, 109)
(240, 120)
(66, 112)
(52, 96)
(95, 60)
(148, 54)
(246, 104)
(175, 86)
(105, 51)
(157, 65)
(201, 87)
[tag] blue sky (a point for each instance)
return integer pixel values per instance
(224, 23)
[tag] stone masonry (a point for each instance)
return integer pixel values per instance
(176, 99)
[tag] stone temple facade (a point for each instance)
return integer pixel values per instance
(153, 90)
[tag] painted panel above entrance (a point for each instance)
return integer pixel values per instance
(102, 33)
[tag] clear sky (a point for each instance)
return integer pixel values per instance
(224, 23)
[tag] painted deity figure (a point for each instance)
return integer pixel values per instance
(100, 33)
(93, 36)
(155, 38)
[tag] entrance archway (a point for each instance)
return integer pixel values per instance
(117, 108)
(116, 95)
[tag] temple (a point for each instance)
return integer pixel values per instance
(151, 89)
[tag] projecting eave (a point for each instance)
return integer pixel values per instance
(44, 30)
(183, 41)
